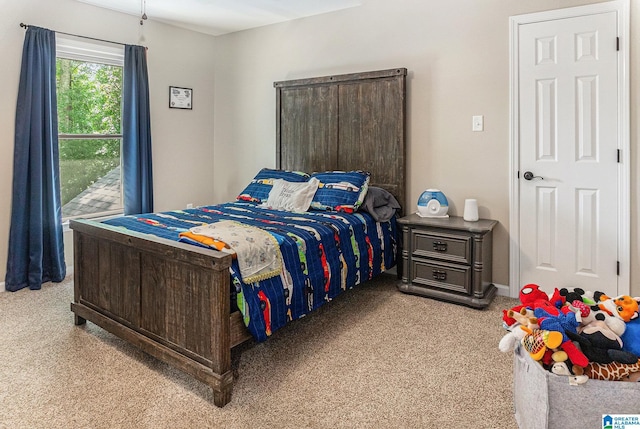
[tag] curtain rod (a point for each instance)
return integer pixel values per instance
(25, 26)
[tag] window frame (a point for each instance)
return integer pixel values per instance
(79, 49)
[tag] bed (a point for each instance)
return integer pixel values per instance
(172, 299)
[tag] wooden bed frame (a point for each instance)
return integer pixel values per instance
(172, 300)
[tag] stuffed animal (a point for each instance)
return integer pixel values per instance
(560, 364)
(509, 322)
(576, 294)
(538, 341)
(613, 371)
(587, 313)
(600, 344)
(551, 319)
(530, 293)
(512, 319)
(575, 374)
(582, 310)
(523, 317)
(631, 337)
(510, 340)
(623, 307)
(532, 297)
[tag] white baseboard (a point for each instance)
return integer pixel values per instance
(503, 290)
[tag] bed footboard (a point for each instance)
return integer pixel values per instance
(170, 299)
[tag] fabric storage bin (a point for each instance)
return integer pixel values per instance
(543, 400)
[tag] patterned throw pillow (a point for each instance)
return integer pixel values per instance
(340, 190)
(258, 190)
(291, 196)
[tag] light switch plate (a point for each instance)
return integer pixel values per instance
(477, 123)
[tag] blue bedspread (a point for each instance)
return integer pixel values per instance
(324, 253)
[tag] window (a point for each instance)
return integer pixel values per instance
(89, 92)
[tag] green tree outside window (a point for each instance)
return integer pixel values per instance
(89, 103)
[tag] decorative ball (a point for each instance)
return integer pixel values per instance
(433, 203)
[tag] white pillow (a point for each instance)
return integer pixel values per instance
(291, 196)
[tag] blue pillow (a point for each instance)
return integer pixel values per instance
(340, 190)
(258, 190)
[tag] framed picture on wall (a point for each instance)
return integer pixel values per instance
(180, 98)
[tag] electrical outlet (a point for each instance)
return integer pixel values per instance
(190, 206)
(477, 123)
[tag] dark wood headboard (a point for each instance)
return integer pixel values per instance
(345, 122)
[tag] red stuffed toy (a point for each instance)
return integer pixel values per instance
(551, 318)
(531, 296)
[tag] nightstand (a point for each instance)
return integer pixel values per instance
(448, 259)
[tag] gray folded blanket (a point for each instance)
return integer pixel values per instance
(380, 204)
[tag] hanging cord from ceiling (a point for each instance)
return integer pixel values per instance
(143, 11)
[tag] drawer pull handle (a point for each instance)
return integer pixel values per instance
(439, 246)
(439, 275)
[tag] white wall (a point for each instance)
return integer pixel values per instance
(457, 54)
(182, 139)
(458, 60)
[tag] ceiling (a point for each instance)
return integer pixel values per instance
(217, 17)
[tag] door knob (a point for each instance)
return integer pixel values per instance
(530, 176)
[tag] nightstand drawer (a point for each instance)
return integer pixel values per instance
(448, 259)
(441, 275)
(443, 246)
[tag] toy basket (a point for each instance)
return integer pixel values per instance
(543, 400)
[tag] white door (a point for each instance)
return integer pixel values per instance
(568, 142)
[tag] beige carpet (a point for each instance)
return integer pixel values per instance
(373, 358)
